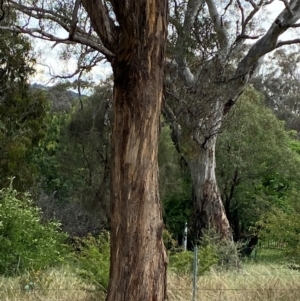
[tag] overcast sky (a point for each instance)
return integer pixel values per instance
(49, 56)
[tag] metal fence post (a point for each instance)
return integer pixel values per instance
(184, 239)
(195, 271)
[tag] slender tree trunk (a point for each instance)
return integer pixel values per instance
(209, 208)
(138, 257)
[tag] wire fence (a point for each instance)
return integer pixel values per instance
(268, 282)
(174, 294)
(272, 282)
(201, 294)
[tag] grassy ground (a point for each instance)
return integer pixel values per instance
(256, 280)
(251, 283)
(54, 284)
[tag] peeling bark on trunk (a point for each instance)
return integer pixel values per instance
(138, 257)
(209, 208)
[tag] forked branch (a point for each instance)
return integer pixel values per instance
(218, 24)
(269, 41)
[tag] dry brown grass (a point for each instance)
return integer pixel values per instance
(53, 285)
(255, 282)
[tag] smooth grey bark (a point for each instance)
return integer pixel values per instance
(209, 208)
(215, 86)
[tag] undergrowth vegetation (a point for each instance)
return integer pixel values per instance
(254, 281)
(212, 253)
(92, 258)
(37, 264)
(26, 242)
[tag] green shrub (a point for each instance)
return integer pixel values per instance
(283, 227)
(226, 252)
(93, 259)
(182, 262)
(26, 242)
(212, 252)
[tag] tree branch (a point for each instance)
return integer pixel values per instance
(175, 127)
(218, 24)
(70, 25)
(181, 45)
(246, 20)
(293, 25)
(287, 5)
(39, 33)
(247, 37)
(288, 42)
(269, 41)
(102, 22)
(74, 19)
(2, 11)
(41, 14)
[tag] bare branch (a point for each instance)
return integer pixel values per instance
(289, 42)
(41, 14)
(191, 12)
(269, 41)
(242, 13)
(74, 19)
(256, 8)
(80, 35)
(249, 37)
(81, 68)
(294, 25)
(242, 36)
(287, 5)
(252, 3)
(218, 24)
(38, 33)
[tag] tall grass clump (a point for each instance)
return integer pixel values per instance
(55, 284)
(253, 282)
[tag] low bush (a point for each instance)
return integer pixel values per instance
(26, 243)
(212, 252)
(92, 257)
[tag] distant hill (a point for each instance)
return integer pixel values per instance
(62, 100)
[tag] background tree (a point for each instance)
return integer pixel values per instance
(22, 112)
(210, 65)
(175, 185)
(280, 85)
(74, 160)
(131, 35)
(257, 168)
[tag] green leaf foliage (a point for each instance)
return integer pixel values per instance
(73, 161)
(175, 184)
(93, 259)
(22, 111)
(212, 253)
(282, 225)
(26, 242)
(256, 166)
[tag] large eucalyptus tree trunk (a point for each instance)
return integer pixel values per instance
(209, 209)
(138, 257)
